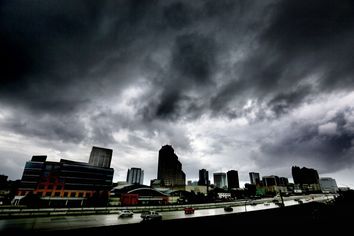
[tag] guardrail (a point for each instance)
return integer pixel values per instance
(25, 212)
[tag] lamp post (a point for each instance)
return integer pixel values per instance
(281, 197)
(245, 205)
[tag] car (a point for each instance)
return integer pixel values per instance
(275, 201)
(150, 216)
(280, 204)
(228, 208)
(253, 203)
(189, 210)
(125, 213)
(145, 213)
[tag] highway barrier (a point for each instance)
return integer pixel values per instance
(6, 213)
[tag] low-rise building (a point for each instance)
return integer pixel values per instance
(66, 183)
(328, 185)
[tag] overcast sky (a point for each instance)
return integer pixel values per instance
(246, 85)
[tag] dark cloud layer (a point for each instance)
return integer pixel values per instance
(51, 51)
(191, 68)
(328, 151)
(318, 33)
(65, 68)
(300, 40)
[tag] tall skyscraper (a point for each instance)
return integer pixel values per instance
(169, 168)
(304, 175)
(101, 157)
(232, 179)
(220, 180)
(296, 173)
(135, 176)
(254, 178)
(203, 177)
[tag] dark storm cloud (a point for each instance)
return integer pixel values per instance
(191, 68)
(309, 26)
(178, 15)
(66, 67)
(52, 51)
(59, 59)
(193, 57)
(204, 31)
(299, 40)
(330, 151)
(62, 128)
(318, 32)
(281, 103)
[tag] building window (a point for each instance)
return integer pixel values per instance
(52, 180)
(66, 194)
(41, 186)
(50, 186)
(81, 194)
(48, 194)
(57, 194)
(59, 187)
(48, 167)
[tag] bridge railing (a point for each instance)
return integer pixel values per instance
(26, 212)
(32, 212)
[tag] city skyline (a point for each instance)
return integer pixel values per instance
(135, 175)
(231, 85)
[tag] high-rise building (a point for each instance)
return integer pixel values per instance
(101, 157)
(3, 182)
(169, 168)
(64, 180)
(232, 179)
(283, 181)
(220, 180)
(304, 175)
(271, 180)
(306, 179)
(32, 174)
(328, 185)
(254, 178)
(274, 184)
(203, 177)
(135, 176)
